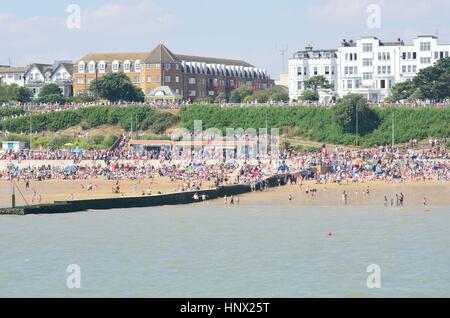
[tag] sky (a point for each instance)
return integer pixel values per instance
(256, 31)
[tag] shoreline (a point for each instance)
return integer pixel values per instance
(328, 194)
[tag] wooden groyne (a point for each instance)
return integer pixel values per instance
(144, 201)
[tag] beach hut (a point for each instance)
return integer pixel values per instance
(13, 145)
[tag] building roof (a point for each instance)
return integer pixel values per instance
(13, 69)
(43, 68)
(109, 57)
(150, 142)
(212, 60)
(161, 55)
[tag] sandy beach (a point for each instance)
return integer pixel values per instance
(60, 190)
(327, 194)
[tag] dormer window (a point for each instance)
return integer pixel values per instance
(102, 67)
(137, 66)
(81, 67)
(91, 67)
(127, 66)
(115, 66)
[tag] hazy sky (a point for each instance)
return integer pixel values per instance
(36, 31)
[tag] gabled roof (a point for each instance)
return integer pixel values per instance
(160, 55)
(43, 68)
(67, 66)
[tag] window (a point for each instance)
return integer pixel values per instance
(436, 55)
(102, 67)
(367, 62)
(384, 56)
(211, 93)
(149, 79)
(316, 70)
(404, 69)
(167, 66)
(425, 46)
(177, 78)
(414, 55)
(425, 60)
(404, 55)
(177, 67)
(349, 84)
(80, 80)
(115, 66)
(127, 66)
(91, 67)
(383, 84)
(409, 68)
(137, 66)
(299, 70)
(192, 93)
(327, 70)
(414, 69)
(157, 66)
(167, 79)
(81, 67)
(158, 79)
(367, 76)
(299, 86)
(192, 80)
(367, 47)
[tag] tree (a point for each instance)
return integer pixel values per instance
(310, 95)
(24, 94)
(316, 82)
(402, 90)
(238, 95)
(222, 97)
(417, 95)
(14, 93)
(434, 81)
(116, 87)
(50, 89)
(351, 109)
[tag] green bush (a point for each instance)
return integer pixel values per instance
(318, 123)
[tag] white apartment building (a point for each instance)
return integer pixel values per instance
(308, 63)
(371, 67)
(39, 75)
(12, 75)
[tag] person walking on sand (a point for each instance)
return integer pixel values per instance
(225, 199)
(425, 203)
(385, 200)
(290, 197)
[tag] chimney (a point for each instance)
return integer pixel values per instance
(308, 48)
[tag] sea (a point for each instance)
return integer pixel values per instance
(265, 246)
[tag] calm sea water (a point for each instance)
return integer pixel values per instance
(271, 248)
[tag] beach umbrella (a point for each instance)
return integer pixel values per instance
(69, 144)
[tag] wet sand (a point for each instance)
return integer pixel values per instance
(330, 195)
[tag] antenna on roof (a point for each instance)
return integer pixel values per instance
(283, 51)
(436, 33)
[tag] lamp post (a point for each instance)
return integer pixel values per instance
(357, 125)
